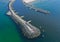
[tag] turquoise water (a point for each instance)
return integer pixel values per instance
(9, 31)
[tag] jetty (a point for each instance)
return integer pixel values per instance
(28, 29)
(27, 3)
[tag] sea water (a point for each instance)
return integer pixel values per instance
(50, 23)
(9, 31)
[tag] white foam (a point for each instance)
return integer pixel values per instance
(28, 1)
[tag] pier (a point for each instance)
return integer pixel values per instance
(29, 30)
(27, 4)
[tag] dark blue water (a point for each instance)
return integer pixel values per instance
(50, 23)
